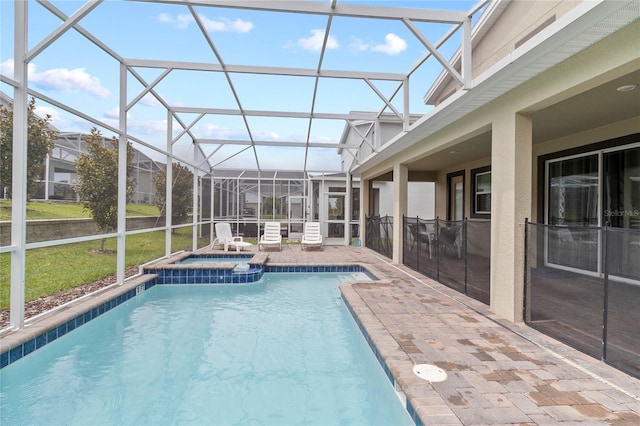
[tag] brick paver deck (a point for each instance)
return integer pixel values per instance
(497, 372)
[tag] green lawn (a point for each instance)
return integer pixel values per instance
(53, 269)
(57, 210)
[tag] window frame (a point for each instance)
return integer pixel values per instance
(474, 192)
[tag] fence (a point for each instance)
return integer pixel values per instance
(454, 253)
(583, 288)
(379, 234)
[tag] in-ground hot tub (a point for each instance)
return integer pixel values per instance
(218, 268)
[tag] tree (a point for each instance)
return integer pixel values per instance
(40, 137)
(181, 194)
(97, 181)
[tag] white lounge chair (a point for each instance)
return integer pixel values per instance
(312, 236)
(225, 237)
(271, 236)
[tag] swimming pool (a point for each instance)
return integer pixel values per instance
(283, 350)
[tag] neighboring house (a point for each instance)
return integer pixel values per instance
(370, 136)
(546, 130)
(59, 171)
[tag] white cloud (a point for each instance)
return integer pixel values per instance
(359, 45)
(142, 127)
(6, 68)
(113, 113)
(164, 18)
(150, 100)
(147, 127)
(392, 46)
(183, 21)
(61, 80)
(54, 116)
(237, 26)
(267, 136)
(65, 80)
(213, 131)
(314, 42)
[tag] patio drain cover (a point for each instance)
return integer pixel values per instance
(430, 372)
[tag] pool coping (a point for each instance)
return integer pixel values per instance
(172, 262)
(395, 362)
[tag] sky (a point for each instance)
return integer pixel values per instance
(75, 72)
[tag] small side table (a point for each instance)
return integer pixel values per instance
(240, 245)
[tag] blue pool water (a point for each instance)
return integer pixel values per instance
(281, 351)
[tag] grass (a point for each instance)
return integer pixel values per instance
(53, 269)
(57, 210)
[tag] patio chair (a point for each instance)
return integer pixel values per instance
(420, 234)
(225, 237)
(447, 239)
(271, 236)
(311, 236)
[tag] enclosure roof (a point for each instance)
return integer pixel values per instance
(243, 84)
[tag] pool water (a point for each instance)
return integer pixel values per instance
(281, 351)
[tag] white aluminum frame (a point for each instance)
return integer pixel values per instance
(24, 56)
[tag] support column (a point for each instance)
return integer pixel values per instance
(168, 198)
(511, 157)
(347, 210)
(19, 170)
(211, 208)
(47, 177)
(122, 179)
(194, 201)
(400, 189)
(365, 191)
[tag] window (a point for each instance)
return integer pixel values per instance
(481, 200)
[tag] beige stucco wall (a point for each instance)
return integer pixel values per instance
(518, 20)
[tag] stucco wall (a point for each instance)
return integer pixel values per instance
(519, 19)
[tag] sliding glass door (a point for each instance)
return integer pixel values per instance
(585, 192)
(621, 188)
